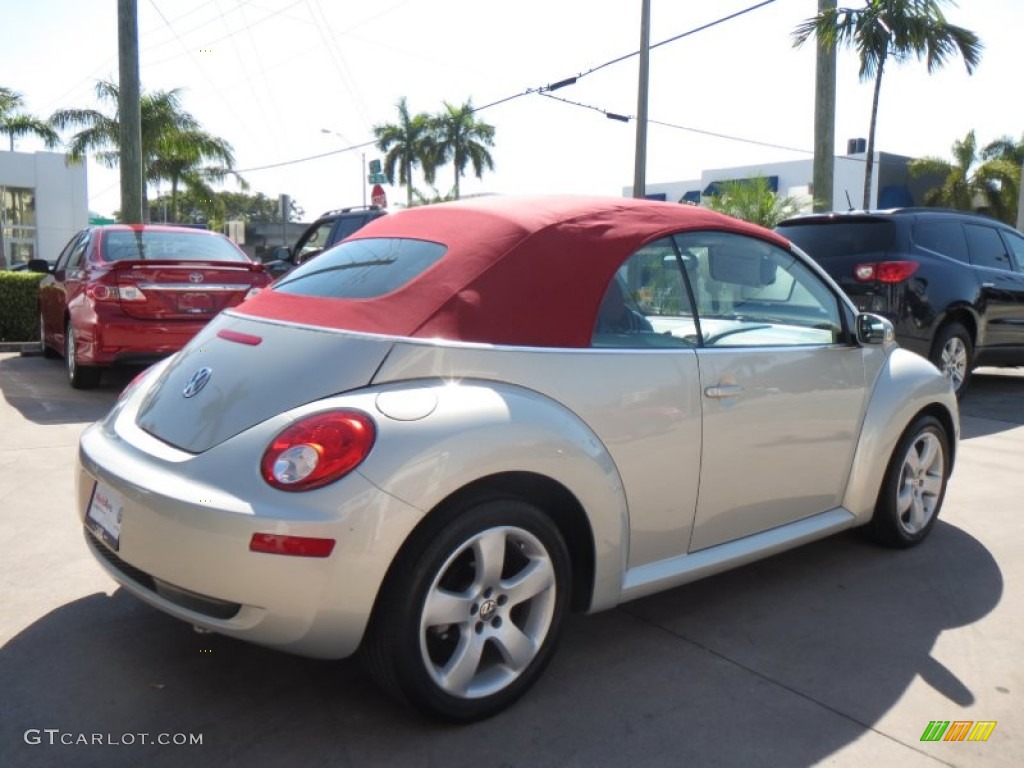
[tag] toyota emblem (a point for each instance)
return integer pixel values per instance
(197, 381)
(195, 277)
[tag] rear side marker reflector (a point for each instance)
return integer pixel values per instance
(241, 338)
(295, 546)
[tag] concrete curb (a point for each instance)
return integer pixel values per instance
(26, 348)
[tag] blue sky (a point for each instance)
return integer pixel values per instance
(269, 75)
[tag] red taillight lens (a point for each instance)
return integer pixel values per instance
(101, 292)
(318, 450)
(885, 271)
(296, 546)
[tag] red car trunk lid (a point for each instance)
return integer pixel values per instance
(168, 290)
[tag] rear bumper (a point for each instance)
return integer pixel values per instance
(184, 545)
(122, 340)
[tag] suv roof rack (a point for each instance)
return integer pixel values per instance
(350, 209)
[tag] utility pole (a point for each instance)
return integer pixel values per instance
(640, 167)
(822, 178)
(128, 110)
(1020, 200)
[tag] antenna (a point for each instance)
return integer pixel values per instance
(849, 202)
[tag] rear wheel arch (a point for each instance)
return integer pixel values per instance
(551, 497)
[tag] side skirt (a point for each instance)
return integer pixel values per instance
(674, 571)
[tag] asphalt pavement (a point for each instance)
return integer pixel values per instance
(838, 654)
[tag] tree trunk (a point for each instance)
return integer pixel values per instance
(174, 199)
(824, 122)
(455, 158)
(869, 161)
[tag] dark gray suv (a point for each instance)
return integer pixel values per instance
(952, 283)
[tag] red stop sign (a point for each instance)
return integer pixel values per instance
(377, 196)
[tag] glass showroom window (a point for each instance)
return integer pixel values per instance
(18, 224)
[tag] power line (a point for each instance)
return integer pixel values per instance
(545, 90)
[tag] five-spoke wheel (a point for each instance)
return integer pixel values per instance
(914, 486)
(472, 610)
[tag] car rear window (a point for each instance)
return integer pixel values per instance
(945, 237)
(362, 269)
(829, 239)
(177, 246)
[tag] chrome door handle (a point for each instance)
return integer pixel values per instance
(988, 285)
(723, 390)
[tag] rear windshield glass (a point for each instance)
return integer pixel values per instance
(362, 269)
(825, 240)
(178, 246)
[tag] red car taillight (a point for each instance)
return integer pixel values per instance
(885, 271)
(103, 292)
(318, 450)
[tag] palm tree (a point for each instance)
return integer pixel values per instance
(173, 142)
(461, 139)
(970, 183)
(897, 29)
(16, 123)
(406, 144)
(184, 157)
(753, 200)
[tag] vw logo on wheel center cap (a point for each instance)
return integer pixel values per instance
(197, 381)
(487, 609)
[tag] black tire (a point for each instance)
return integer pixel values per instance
(468, 557)
(953, 354)
(44, 348)
(914, 486)
(79, 376)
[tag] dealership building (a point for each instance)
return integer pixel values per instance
(43, 202)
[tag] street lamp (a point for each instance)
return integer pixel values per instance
(362, 177)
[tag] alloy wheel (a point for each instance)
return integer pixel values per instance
(919, 490)
(954, 361)
(488, 611)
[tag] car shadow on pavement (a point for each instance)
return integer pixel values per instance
(995, 395)
(782, 662)
(38, 389)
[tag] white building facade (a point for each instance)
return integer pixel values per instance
(43, 202)
(892, 185)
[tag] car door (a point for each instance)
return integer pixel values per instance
(783, 391)
(1002, 289)
(52, 292)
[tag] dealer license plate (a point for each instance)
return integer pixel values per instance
(104, 515)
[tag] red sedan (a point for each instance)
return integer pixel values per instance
(135, 293)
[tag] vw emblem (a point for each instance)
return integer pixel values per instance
(197, 381)
(195, 277)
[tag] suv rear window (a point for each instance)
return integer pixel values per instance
(828, 239)
(945, 237)
(362, 269)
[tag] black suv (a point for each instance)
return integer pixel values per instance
(952, 283)
(331, 228)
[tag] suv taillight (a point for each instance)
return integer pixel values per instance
(885, 271)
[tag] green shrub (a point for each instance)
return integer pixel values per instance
(19, 305)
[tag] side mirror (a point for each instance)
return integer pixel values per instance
(281, 253)
(872, 329)
(40, 265)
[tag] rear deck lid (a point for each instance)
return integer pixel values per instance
(238, 372)
(166, 290)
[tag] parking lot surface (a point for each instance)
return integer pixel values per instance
(839, 653)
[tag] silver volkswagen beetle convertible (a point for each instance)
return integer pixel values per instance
(433, 440)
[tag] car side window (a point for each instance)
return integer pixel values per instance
(945, 237)
(316, 242)
(987, 248)
(75, 259)
(62, 260)
(752, 293)
(646, 304)
(1016, 245)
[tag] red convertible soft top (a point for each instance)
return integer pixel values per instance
(524, 271)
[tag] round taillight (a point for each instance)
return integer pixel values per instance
(318, 450)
